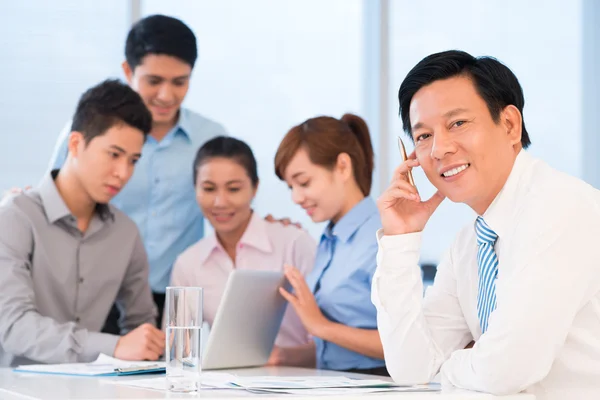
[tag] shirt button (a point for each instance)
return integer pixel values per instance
(80, 280)
(77, 319)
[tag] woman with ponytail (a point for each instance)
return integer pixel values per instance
(328, 165)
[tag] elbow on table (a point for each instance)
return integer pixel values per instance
(407, 375)
(10, 342)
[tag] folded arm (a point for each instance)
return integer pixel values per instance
(417, 334)
(554, 278)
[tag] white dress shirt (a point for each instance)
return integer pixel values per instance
(544, 335)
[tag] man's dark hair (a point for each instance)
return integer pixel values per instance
(159, 34)
(494, 82)
(228, 147)
(107, 104)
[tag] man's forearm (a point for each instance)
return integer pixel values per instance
(44, 340)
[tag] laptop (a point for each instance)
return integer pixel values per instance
(247, 320)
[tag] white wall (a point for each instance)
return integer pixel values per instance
(540, 42)
(265, 65)
(51, 52)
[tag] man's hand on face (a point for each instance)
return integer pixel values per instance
(400, 206)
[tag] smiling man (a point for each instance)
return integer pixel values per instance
(66, 255)
(522, 280)
(160, 54)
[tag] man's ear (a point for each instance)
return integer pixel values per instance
(76, 143)
(512, 120)
(344, 165)
(127, 71)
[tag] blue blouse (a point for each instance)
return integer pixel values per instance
(341, 281)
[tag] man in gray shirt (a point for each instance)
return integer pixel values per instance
(66, 255)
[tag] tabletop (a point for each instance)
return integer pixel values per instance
(29, 386)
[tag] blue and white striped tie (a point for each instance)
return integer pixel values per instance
(488, 270)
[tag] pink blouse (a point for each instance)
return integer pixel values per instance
(264, 246)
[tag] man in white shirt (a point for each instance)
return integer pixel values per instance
(515, 305)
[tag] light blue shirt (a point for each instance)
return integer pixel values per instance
(341, 280)
(160, 196)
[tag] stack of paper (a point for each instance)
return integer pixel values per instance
(103, 366)
(315, 385)
(321, 385)
(309, 385)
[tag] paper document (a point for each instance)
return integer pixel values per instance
(208, 380)
(322, 385)
(313, 385)
(103, 366)
(348, 391)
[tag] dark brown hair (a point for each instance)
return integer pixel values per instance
(324, 139)
(231, 148)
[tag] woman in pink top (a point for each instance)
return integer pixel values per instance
(226, 179)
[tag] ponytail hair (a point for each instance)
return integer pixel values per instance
(324, 139)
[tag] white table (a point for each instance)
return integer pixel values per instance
(21, 386)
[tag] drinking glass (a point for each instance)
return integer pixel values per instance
(183, 323)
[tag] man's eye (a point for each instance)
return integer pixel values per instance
(423, 137)
(459, 123)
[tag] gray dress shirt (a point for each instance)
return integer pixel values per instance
(57, 285)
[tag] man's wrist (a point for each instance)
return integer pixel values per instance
(404, 242)
(97, 343)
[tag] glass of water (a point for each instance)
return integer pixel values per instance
(183, 323)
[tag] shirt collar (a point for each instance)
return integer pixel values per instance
(353, 220)
(183, 125)
(181, 128)
(256, 236)
(54, 205)
(210, 244)
(498, 214)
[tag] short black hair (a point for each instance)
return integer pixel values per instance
(107, 104)
(494, 81)
(228, 147)
(159, 34)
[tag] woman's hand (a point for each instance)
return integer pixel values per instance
(304, 302)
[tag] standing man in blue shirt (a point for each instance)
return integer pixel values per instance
(160, 54)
